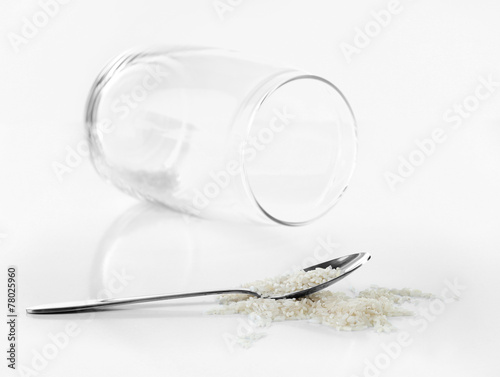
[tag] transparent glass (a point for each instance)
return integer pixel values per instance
(214, 133)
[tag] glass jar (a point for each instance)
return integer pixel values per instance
(214, 133)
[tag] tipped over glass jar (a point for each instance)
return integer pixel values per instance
(214, 133)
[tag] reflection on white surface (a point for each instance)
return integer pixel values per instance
(152, 250)
(147, 249)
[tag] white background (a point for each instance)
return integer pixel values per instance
(68, 238)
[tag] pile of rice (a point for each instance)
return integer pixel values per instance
(368, 308)
(289, 283)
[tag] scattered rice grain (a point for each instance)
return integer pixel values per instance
(369, 308)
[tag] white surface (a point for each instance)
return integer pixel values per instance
(441, 224)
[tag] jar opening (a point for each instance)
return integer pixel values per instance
(300, 149)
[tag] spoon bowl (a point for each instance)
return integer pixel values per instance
(347, 264)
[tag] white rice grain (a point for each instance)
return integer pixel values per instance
(369, 308)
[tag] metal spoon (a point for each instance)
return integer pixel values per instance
(347, 265)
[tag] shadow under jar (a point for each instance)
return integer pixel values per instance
(214, 133)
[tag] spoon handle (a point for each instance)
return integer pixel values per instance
(95, 305)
